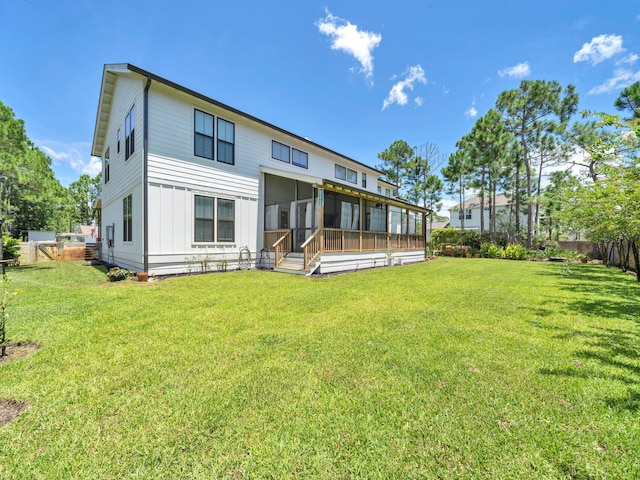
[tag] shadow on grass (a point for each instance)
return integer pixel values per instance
(602, 292)
(604, 352)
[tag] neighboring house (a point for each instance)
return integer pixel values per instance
(189, 181)
(471, 213)
(40, 236)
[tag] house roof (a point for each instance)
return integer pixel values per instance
(435, 225)
(501, 201)
(109, 76)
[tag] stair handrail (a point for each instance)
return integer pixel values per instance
(282, 247)
(311, 248)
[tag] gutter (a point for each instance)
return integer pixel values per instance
(145, 177)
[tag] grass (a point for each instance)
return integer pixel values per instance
(458, 368)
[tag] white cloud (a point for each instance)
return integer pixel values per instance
(471, 112)
(419, 101)
(73, 155)
(445, 90)
(397, 93)
(622, 78)
(517, 71)
(600, 48)
(346, 37)
(447, 203)
(629, 59)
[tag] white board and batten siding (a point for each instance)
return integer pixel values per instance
(176, 175)
(125, 175)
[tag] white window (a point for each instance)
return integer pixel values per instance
(352, 176)
(341, 172)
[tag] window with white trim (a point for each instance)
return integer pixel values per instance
(280, 151)
(299, 158)
(341, 172)
(226, 141)
(364, 180)
(106, 167)
(214, 219)
(127, 218)
(129, 133)
(203, 135)
(352, 176)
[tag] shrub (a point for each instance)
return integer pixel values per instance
(10, 247)
(116, 274)
(515, 251)
(489, 250)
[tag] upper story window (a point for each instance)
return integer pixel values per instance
(106, 167)
(352, 176)
(118, 141)
(299, 158)
(364, 180)
(127, 218)
(379, 190)
(129, 133)
(203, 135)
(387, 192)
(467, 215)
(226, 141)
(279, 151)
(341, 172)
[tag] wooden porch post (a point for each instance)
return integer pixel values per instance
(320, 217)
(362, 216)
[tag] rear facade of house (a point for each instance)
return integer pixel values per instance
(191, 184)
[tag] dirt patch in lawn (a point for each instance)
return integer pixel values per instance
(9, 410)
(18, 350)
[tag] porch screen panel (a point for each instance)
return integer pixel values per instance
(412, 223)
(377, 217)
(395, 225)
(203, 219)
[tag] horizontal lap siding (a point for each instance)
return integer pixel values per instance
(125, 175)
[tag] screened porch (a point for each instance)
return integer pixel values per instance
(313, 219)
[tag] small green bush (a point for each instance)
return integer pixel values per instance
(489, 250)
(515, 251)
(117, 274)
(10, 247)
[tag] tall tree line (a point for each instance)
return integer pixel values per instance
(31, 198)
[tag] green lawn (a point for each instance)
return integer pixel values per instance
(457, 368)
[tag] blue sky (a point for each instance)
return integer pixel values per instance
(353, 76)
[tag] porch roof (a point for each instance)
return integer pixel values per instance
(356, 192)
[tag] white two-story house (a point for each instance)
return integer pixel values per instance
(190, 182)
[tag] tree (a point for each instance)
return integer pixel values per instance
(395, 162)
(629, 99)
(13, 145)
(488, 143)
(562, 185)
(535, 107)
(420, 167)
(608, 209)
(83, 193)
(457, 175)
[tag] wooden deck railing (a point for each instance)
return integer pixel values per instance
(311, 248)
(334, 240)
(282, 246)
(337, 240)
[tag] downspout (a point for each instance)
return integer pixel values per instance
(145, 175)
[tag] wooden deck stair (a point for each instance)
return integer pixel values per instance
(292, 263)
